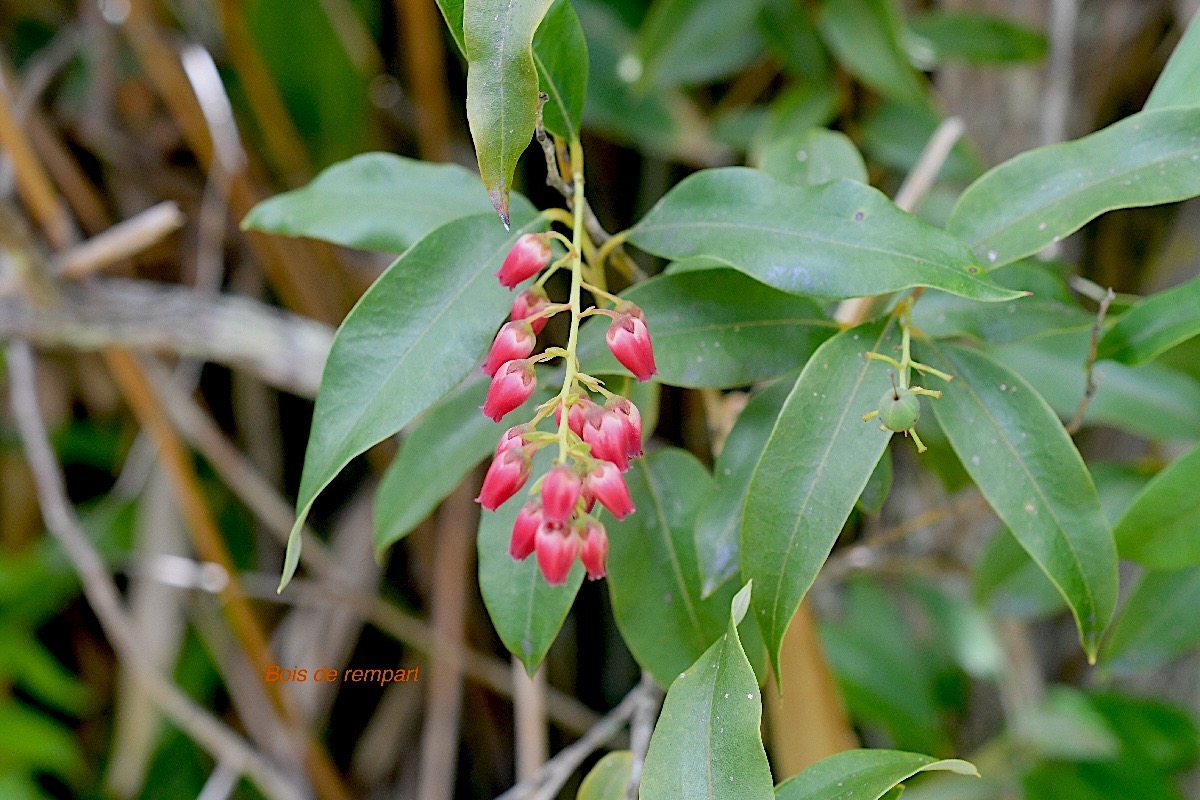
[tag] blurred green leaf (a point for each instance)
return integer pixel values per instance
(26, 662)
(1027, 467)
(863, 774)
(1157, 623)
(707, 741)
(1042, 196)
(715, 328)
(1161, 530)
(415, 334)
(687, 42)
(840, 239)
(792, 37)
(561, 56)
(868, 38)
(1154, 326)
(1066, 726)
(609, 779)
(813, 468)
(32, 741)
(1179, 83)
(879, 485)
(813, 157)
(895, 134)
(976, 38)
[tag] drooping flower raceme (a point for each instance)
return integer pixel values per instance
(595, 442)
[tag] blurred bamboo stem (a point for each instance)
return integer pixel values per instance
(425, 63)
(104, 599)
(121, 241)
(457, 519)
(529, 716)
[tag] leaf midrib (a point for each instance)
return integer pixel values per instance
(676, 569)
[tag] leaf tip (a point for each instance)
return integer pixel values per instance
(499, 198)
(741, 602)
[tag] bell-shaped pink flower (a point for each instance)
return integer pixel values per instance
(608, 434)
(514, 341)
(629, 340)
(607, 486)
(560, 492)
(529, 303)
(513, 437)
(512, 385)
(528, 257)
(577, 416)
(557, 548)
(628, 412)
(504, 478)
(524, 532)
(594, 552)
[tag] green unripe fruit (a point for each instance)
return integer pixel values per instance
(899, 409)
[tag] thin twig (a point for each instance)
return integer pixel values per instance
(529, 719)
(1089, 389)
(559, 769)
(640, 729)
(121, 241)
(102, 595)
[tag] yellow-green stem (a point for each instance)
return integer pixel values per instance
(572, 359)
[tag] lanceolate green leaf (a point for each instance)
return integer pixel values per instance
(1044, 195)
(1154, 325)
(716, 329)
(1179, 83)
(455, 436)
(863, 775)
(977, 38)
(719, 523)
(377, 201)
(867, 36)
(561, 56)
(707, 741)
(526, 611)
(1015, 449)
(653, 579)
(1161, 530)
(502, 87)
(840, 239)
(609, 779)
(413, 336)
(1157, 623)
(816, 462)
(695, 41)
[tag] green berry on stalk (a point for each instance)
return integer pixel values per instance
(899, 409)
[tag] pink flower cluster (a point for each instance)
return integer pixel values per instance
(557, 524)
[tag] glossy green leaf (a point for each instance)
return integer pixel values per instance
(707, 741)
(715, 329)
(502, 87)
(1161, 530)
(1154, 326)
(887, 676)
(867, 37)
(1150, 400)
(452, 12)
(1050, 309)
(1179, 83)
(719, 523)
(814, 467)
(863, 775)
(974, 38)
(561, 56)
(415, 334)
(653, 577)
(1157, 623)
(1044, 195)
(609, 779)
(814, 157)
(526, 611)
(840, 239)
(1017, 452)
(377, 201)
(879, 485)
(454, 436)
(687, 42)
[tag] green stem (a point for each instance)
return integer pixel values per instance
(572, 359)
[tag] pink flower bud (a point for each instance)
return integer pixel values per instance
(530, 303)
(504, 478)
(515, 340)
(608, 434)
(528, 257)
(629, 340)
(513, 437)
(607, 486)
(633, 422)
(524, 532)
(512, 385)
(560, 493)
(557, 548)
(594, 553)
